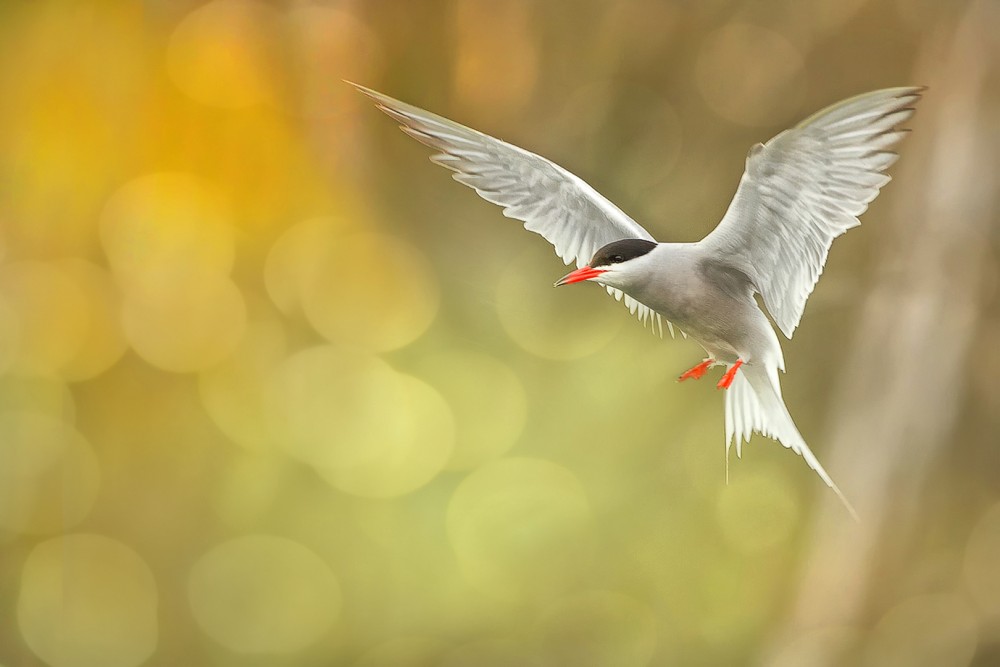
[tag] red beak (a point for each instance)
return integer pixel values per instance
(585, 273)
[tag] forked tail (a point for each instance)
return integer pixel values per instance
(754, 403)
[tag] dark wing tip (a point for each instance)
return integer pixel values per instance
(911, 95)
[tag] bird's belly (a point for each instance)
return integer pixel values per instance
(716, 321)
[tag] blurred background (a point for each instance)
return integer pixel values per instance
(275, 391)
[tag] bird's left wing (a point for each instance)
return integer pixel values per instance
(804, 188)
(551, 201)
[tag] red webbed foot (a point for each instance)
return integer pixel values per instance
(696, 372)
(727, 379)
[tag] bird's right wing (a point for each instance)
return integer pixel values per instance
(551, 201)
(804, 188)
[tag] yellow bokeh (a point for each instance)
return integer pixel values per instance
(42, 395)
(329, 404)
(251, 483)
(50, 315)
(104, 343)
(367, 429)
(10, 333)
(226, 53)
(72, 81)
(53, 478)
(496, 64)
(521, 528)
(488, 401)
(166, 226)
(88, 601)
(263, 594)
(185, 325)
(548, 322)
(332, 39)
(30, 442)
(371, 290)
(296, 258)
(413, 457)
(234, 392)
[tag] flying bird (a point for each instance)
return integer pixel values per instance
(799, 191)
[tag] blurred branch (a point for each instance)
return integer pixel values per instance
(900, 389)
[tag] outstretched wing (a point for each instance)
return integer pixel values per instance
(804, 188)
(551, 201)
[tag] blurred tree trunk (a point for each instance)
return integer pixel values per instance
(900, 390)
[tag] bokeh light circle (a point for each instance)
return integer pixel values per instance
(88, 601)
(104, 342)
(924, 631)
(561, 324)
(296, 258)
(37, 394)
(332, 39)
(756, 512)
(520, 528)
(749, 75)
(249, 487)
(488, 399)
(394, 466)
(225, 54)
(185, 326)
(30, 443)
(264, 594)
(371, 290)
(51, 475)
(43, 395)
(234, 392)
(330, 403)
(166, 226)
(50, 312)
(367, 429)
(599, 628)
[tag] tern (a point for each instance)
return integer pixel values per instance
(799, 191)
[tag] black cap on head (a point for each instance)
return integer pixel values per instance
(617, 252)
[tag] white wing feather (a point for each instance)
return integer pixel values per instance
(804, 188)
(551, 201)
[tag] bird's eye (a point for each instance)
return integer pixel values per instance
(617, 259)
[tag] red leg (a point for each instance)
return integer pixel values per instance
(697, 371)
(727, 379)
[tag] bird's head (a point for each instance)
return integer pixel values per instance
(616, 265)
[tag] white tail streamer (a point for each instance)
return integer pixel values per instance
(754, 404)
